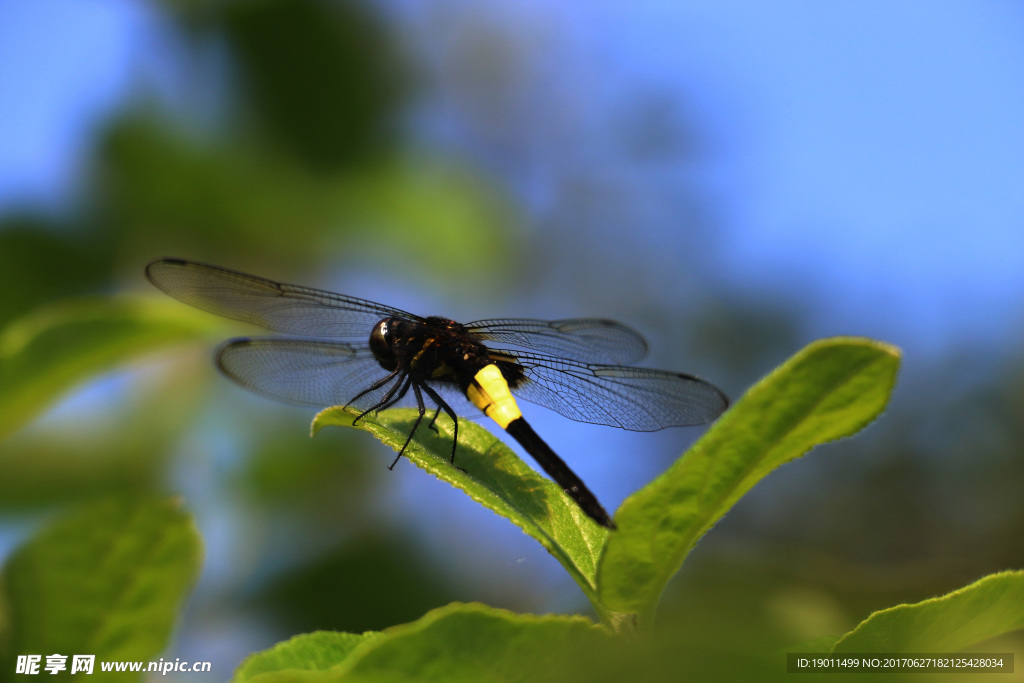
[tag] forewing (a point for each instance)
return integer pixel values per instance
(587, 340)
(637, 399)
(276, 306)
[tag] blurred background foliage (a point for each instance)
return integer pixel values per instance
(438, 160)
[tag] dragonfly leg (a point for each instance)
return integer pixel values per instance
(434, 420)
(422, 410)
(373, 387)
(387, 400)
(441, 405)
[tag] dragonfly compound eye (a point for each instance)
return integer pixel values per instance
(380, 344)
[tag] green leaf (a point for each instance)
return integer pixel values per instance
(317, 651)
(831, 389)
(107, 579)
(458, 642)
(49, 351)
(491, 474)
(985, 609)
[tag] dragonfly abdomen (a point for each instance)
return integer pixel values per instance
(489, 391)
(521, 431)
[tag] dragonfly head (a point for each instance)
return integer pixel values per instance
(380, 344)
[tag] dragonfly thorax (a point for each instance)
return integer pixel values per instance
(435, 349)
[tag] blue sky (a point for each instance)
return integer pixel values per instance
(866, 158)
(64, 65)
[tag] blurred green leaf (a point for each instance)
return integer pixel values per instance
(41, 260)
(242, 205)
(471, 642)
(39, 474)
(54, 348)
(491, 474)
(458, 642)
(106, 579)
(175, 192)
(985, 609)
(424, 212)
(324, 78)
(310, 595)
(299, 475)
(123, 451)
(317, 651)
(831, 389)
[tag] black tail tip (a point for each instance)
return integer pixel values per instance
(603, 519)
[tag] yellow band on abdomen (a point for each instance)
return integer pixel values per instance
(490, 393)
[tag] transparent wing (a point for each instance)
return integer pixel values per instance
(302, 371)
(316, 373)
(637, 399)
(588, 340)
(280, 307)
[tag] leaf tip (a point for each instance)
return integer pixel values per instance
(335, 416)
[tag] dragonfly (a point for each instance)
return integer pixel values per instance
(576, 367)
